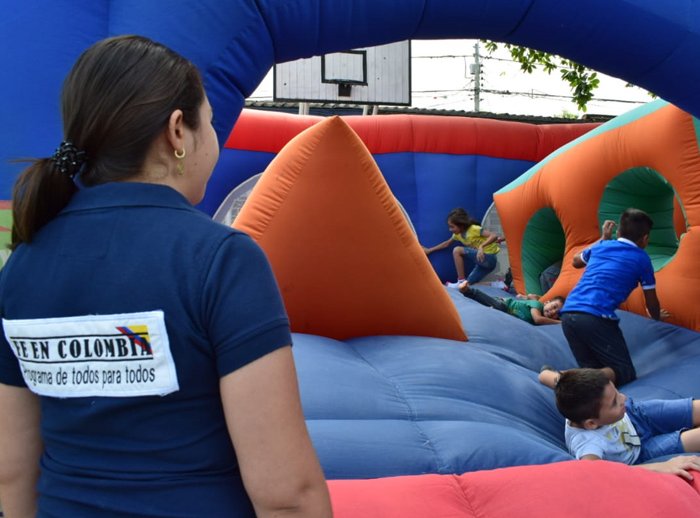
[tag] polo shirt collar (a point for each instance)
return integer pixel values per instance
(126, 194)
(625, 240)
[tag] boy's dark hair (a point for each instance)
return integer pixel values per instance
(579, 393)
(635, 224)
(559, 298)
(461, 218)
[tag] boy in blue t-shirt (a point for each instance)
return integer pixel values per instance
(613, 269)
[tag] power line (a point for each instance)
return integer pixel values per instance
(441, 56)
(525, 94)
(489, 57)
(470, 56)
(554, 96)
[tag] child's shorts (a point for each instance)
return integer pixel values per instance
(659, 423)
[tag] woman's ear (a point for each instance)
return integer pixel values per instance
(176, 130)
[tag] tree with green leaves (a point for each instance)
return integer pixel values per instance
(583, 81)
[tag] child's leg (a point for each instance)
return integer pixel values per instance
(577, 338)
(483, 298)
(458, 256)
(598, 342)
(481, 268)
(664, 426)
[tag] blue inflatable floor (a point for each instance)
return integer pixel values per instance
(398, 405)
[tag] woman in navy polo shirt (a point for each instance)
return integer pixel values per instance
(145, 360)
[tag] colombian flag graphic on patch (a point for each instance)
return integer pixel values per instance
(138, 334)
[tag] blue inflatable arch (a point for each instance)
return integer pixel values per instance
(396, 405)
(653, 44)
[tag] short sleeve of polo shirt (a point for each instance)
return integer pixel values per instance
(586, 444)
(586, 254)
(10, 373)
(243, 312)
(647, 278)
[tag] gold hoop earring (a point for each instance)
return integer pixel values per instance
(180, 155)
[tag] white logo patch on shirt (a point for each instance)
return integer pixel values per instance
(95, 355)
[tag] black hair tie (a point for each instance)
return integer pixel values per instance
(68, 159)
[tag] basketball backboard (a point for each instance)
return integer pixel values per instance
(370, 75)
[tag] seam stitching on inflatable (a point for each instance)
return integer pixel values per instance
(412, 417)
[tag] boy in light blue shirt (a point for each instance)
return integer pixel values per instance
(603, 424)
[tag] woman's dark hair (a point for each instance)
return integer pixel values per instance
(461, 218)
(116, 100)
(579, 393)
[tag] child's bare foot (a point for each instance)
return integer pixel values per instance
(463, 286)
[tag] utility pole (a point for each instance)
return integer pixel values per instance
(476, 72)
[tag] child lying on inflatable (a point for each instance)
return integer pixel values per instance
(602, 423)
(528, 309)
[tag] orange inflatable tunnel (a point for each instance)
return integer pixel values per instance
(347, 261)
(646, 159)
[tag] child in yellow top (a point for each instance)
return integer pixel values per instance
(480, 247)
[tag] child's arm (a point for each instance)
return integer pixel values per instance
(578, 262)
(439, 246)
(489, 234)
(529, 296)
(606, 234)
(540, 320)
(608, 227)
(652, 302)
(680, 465)
(19, 459)
(490, 238)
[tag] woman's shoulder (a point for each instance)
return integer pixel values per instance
(203, 234)
(193, 220)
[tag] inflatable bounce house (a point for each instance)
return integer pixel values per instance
(647, 159)
(413, 397)
(431, 163)
(422, 403)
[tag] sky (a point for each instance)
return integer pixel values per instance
(441, 79)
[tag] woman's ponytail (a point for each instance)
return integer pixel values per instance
(40, 193)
